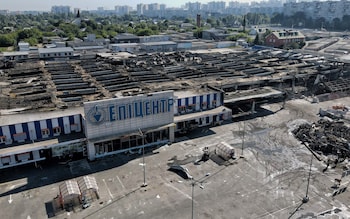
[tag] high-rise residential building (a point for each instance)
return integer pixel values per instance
(122, 10)
(216, 6)
(60, 9)
(193, 6)
(162, 7)
(154, 7)
(4, 12)
(140, 9)
(318, 9)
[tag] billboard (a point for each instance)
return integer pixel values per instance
(119, 116)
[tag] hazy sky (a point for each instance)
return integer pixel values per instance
(45, 5)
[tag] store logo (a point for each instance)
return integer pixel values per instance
(96, 115)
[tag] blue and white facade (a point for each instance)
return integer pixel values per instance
(199, 102)
(39, 130)
(198, 110)
(31, 141)
(107, 127)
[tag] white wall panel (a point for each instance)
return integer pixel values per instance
(32, 132)
(19, 128)
(66, 125)
(100, 115)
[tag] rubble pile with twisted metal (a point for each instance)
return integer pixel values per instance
(326, 136)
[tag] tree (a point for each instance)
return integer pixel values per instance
(6, 40)
(144, 32)
(257, 40)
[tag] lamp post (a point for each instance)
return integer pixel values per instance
(143, 158)
(192, 184)
(242, 156)
(306, 198)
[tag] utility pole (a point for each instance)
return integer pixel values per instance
(306, 198)
(143, 158)
(242, 156)
(192, 184)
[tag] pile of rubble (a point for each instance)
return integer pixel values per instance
(326, 136)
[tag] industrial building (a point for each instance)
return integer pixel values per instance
(51, 53)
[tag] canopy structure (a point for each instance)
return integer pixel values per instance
(69, 191)
(86, 183)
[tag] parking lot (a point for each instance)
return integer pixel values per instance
(270, 180)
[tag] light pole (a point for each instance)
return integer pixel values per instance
(242, 156)
(193, 183)
(306, 198)
(143, 158)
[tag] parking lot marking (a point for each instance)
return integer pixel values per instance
(15, 183)
(121, 182)
(109, 191)
(181, 192)
(10, 199)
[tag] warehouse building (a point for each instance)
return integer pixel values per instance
(52, 53)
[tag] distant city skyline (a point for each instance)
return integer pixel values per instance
(45, 5)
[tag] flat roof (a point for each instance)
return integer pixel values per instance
(195, 115)
(88, 47)
(15, 53)
(193, 92)
(27, 147)
(251, 94)
(125, 44)
(34, 146)
(159, 43)
(57, 49)
(10, 117)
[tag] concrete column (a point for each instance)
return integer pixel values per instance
(13, 159)
(91, 150)
(172, 133)
(36, 155)
(253, 107)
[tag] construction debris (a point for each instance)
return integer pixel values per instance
(336, 112)
(327, 137)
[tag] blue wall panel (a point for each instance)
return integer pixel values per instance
(38, 130)
(26, 130)
(60, 124)
(71, 120)
(12, 131)
(49, 126)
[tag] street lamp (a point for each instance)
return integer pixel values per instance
(242, 156)
(143, 158)
(193, 184)
(306, 198)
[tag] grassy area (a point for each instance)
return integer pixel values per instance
(6, 49)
